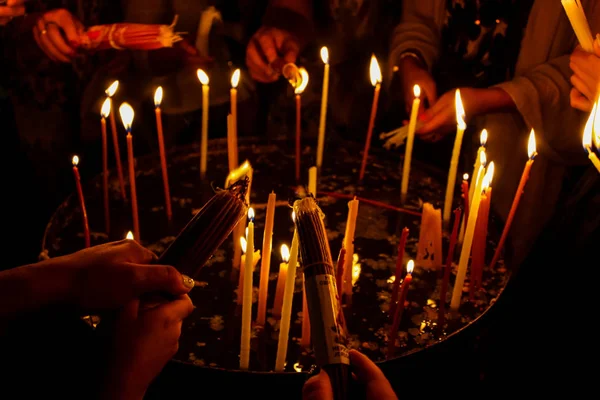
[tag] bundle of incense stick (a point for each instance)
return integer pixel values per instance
(579, 22)
(326, 318)
(207, 230)
(129, 36)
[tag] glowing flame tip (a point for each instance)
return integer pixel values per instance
(374, 71)
(460, 110)
(489, 175)
(285, 253)
(202, 77)
(158, 96)
(466, 177)
(417, 91)
(590, 126)
(483, 137)
(235, 78)
(251, 214)
(325, 55)
(303, 81)
(129, 235)
(243, 244)
(531, 147)
(75, 160)
(127, 114)
(112, 89)
(105, 111)
(482, 158)
(410, 267)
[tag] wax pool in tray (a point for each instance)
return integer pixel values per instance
(211, 335)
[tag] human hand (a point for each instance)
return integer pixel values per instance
(50, 32)
(377, 387)
(440, 119)
(267, 45)
(11, 9)
(411, 73)
(144, 341)
(586, 77)
(110, 275)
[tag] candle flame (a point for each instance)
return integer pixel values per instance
(294, 216)
(482, 158)
(301, 85)
(235, 78)
(75, 160)
(410, 267)
(129, 235)
(589, 127)
(417, 91)
(483, 137)
(531, 148)
(391, 279)
(466, 177)
(460, 111)
(597, 121)
(243, 244)
(285, 253)
(374, 71)
(489, 175)
(202, 77)
(112, 89)
(251, 214)
(158, 95)
(105, 111)
(127, 113)
(325, 55)
(356, 268)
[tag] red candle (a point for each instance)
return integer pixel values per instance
(375, 73)
(398, 276)
(299, 88)
(400, 309)
(105, 111)
(86, 227)
(446, 278)
(465, 195)
(513, 209)
(161, 147)
(127, 116)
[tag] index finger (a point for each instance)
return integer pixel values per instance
(176, 310)
(378, 387)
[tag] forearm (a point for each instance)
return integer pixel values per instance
(302, 7)
(486, 101)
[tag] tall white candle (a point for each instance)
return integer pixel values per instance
(247, 301)
(412, 124)
(205, 107)
(460, 130)
(324, 94)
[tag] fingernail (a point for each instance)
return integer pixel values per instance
(188, 282)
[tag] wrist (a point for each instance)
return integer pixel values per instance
(485, 101)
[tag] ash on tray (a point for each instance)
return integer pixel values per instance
(216, 319)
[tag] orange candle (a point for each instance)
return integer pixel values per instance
(375, 73)
(265, 267)
(158, 95)
(513, 209)
(282, 276)
(104, 112)
(110, 91)
(448, 268)
(86, 227)
(127, 116)
(398, 276)
(305, 340)
(299, 89)
(400, 308)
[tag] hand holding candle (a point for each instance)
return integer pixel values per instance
(110, 92)
(127, 117)
(203, 78)
(298, 90)
(323, 118)
(513, 209)
(84, 218)
(409, 143)
(375, 74)
(158, 95)
(460, 130)
(104, 113)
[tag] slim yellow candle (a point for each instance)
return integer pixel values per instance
(312, 181)
(412, 124)
(281, 277)
(460, 130)
(247, 301)
(593, 125)
(349, 245)
(470, 231)
(482, 140)
(324, 94)
(232, 136)
(286, 310)
(265, 267)
(205, 106)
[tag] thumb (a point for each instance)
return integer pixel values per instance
(369, 374)
(160, 278)
(318, 388)
(290, 50)
(71, 26)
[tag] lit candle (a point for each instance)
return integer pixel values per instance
(127, 117)
(129, 235)
(375, 75)
(305, 339)
(482, 140)
(446, 277)
(299, 89)
(400, 308)
(465, 192)
(279, 290)
(286, 309)
(593, 125)
(232, 147)
(398, 275)
(110, 92)
(265, 267)
(460, 130)
(531, 150)
(104, 113)
(312, 181)
(409, 143)
(84, 218)
(203, 78)
(349, 244)
(247, 301)
(480, 239)
(469, 232)
(323, 118)
(356, 268)
(158, 95)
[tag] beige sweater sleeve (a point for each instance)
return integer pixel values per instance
(420, 29)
